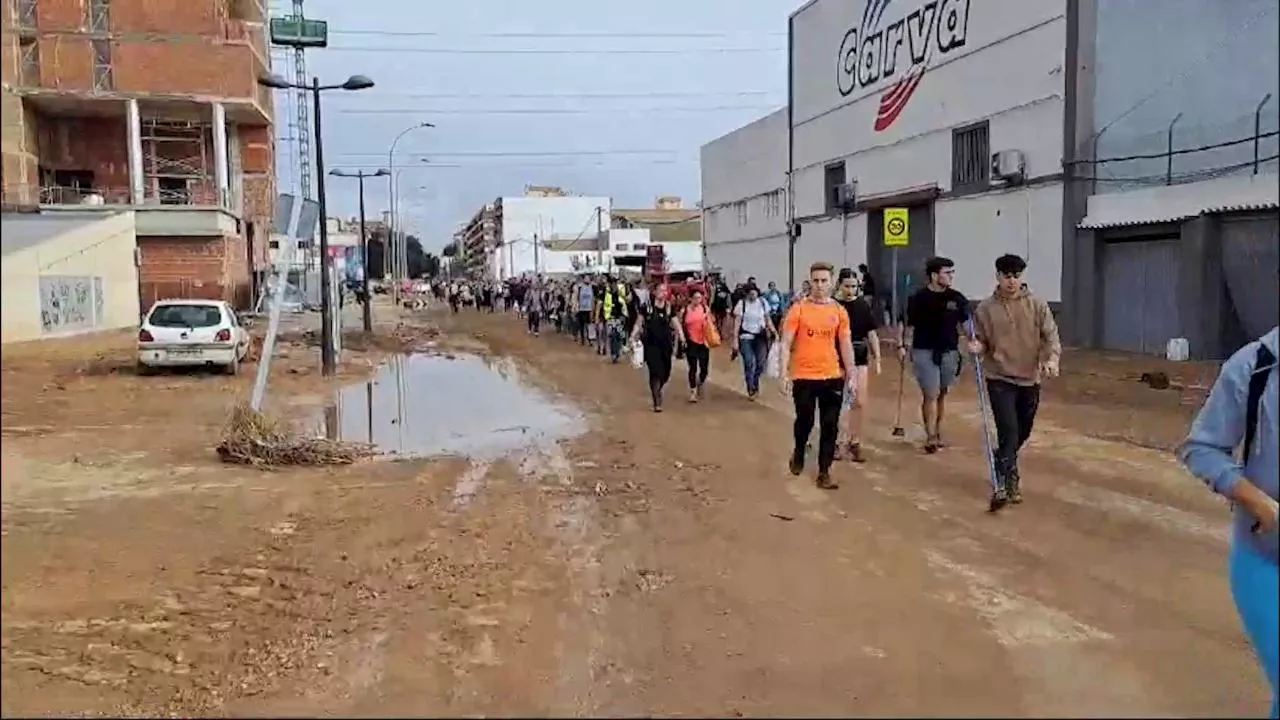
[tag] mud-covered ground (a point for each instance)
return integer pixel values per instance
(572, 553)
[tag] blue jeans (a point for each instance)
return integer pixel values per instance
(1255, 585)
(755, 352)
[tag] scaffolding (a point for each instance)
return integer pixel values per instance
(175, 161)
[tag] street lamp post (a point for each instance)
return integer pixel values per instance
(360, 175)
(397, 256)
(328, 359)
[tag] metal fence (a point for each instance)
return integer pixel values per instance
(1183, 152)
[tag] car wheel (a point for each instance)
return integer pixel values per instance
(144, 369)
(233, 368)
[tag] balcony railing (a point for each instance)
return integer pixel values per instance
(197, 196)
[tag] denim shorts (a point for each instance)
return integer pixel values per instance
(934, 377)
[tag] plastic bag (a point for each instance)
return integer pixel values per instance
(773, 363)
(712, 333)
(637, 355)
(591, 332)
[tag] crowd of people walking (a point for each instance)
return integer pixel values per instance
(824, 347)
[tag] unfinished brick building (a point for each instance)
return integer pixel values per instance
(152, 104)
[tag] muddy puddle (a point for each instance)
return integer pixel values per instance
(430, 405)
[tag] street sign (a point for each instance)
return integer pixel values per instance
(298, 32)
(897, 227)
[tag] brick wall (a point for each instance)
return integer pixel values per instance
(214, 268)
(194, 49)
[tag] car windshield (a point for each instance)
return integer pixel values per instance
(186, 316)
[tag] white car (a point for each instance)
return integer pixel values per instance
(192, 333)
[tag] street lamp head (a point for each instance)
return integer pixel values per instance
(357, 82)
(339, 173)
(425, 124)
(382, 172)
(273, 80)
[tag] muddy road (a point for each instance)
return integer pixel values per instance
(536, 541)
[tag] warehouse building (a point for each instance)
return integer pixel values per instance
(1000, 125)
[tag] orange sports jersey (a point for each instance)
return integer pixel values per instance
(815, 329)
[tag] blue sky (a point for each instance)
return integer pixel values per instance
(638, 142)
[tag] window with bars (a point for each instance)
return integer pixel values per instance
(99, 20)
(742, 212)
(103, 78)
(833, 177)
(971, 157)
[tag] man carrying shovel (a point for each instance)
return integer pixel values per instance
(1016, 339)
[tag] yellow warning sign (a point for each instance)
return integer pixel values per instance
(897, 227)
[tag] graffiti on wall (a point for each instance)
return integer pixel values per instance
(70, 303)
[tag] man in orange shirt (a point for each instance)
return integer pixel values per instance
(815, 338)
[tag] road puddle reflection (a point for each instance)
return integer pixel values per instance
(429, 405)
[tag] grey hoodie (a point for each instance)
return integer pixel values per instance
(1209, 451)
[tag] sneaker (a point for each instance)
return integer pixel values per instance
(1014, 482)
(931, 444)
(825, 481)
(855, 452)
(999, 499)
(693, 396)
(796, 466)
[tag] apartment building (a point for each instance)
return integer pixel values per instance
(546, 231)
(152, 105)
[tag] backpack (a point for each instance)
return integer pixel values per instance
(1263, 364)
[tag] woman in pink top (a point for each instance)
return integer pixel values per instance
(694, 321)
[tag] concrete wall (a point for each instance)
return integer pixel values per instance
(977, 229)
(82, 281)
(744, 199)
(1002, 62)
(1211, 60)
(956, 62)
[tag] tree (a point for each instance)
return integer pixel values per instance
(377, 254)
(432, 265)
(450, 250)
(420, 264)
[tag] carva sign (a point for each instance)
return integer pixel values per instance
(872, 52)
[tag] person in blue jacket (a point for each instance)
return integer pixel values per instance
(1241, 412)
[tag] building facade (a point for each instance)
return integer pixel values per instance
(997, 123)
(150, 105)
(545, 231)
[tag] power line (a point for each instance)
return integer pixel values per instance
(364, 97)
(557, 51)
(514, 153)
(566, 165)
(552, 111)
(559, 35)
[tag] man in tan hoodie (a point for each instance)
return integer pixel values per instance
(1017, 338)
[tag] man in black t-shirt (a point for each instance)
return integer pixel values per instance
(934, 316)
(866, 348)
